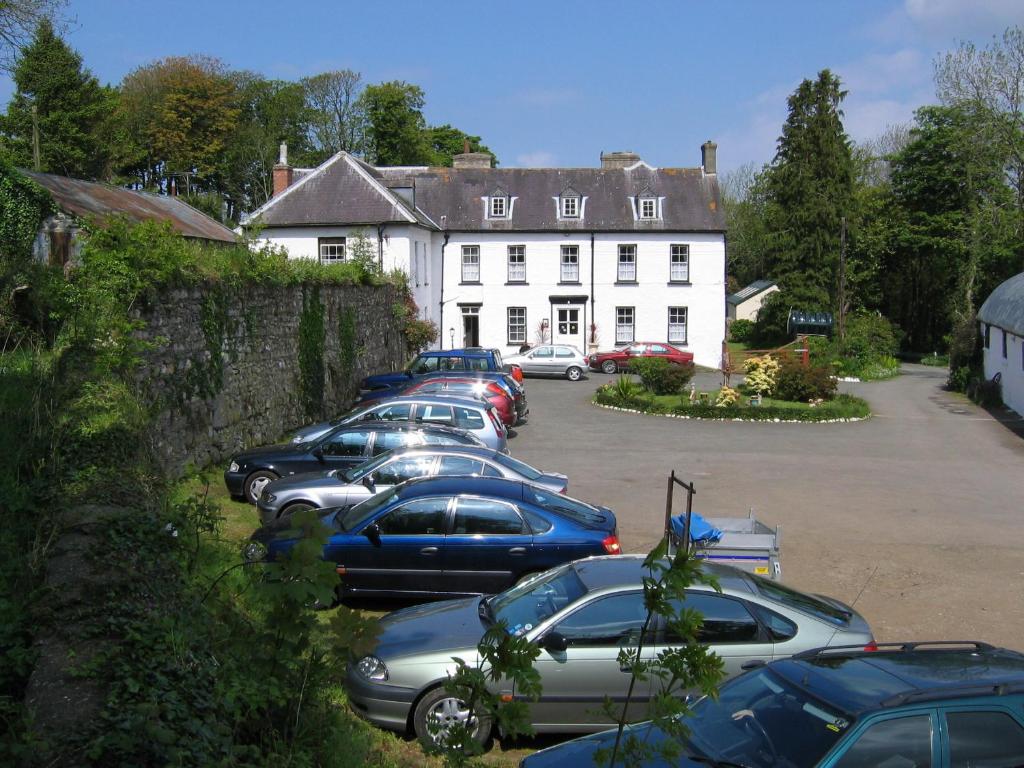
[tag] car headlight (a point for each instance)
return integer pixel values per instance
(233, 467)
(254, 552)
(372, 668)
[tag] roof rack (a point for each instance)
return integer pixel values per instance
(872, 647)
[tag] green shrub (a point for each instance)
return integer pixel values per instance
(869, 336)
(885, 367)
(959, 378)
(623, 393)
(662, 377)
(935, 360)
(803, 383)
(771, 325)
(842, 407)
(741, 331)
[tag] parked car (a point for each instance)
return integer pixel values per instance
(475, 416)
(618, 359)
(898, 704)
(581, 615)
(489, 391)
(346, 446)
(468, 359)
(509, 385)
(435, 537)
(551, 360)
(335, 487)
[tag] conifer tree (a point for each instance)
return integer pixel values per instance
(71, 108)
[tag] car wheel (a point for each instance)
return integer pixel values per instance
(574, 374)
(438, 711)
(298, 506)
(255, 483)
(609, 366)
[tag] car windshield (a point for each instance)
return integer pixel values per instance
(358, 473)
(517, 466)
(354, 518)
(563, 505)
(801, 601)
(533, 601)
(763, 720)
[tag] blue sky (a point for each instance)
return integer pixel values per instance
(555, 83)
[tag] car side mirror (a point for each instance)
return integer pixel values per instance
(555, 641)
(368, 484)
(372, 532)
(318, 453)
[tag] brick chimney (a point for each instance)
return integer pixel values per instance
(709, 156)
(282, 172)
(611, 160)
(472, 160)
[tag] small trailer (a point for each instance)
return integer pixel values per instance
(743, 542)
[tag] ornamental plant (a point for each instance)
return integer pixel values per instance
(727, 398)
(762, 374)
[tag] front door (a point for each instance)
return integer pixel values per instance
(471, 326)
(568, 328)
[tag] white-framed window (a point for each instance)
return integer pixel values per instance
(570, 207)
(677, 325)
(517, 263)
(627, 264)
(648, 208)
(332, 249)
(625, 323)
(499, 207)
(471, 263)
(679, 265)
(517, 325)
(570, 264)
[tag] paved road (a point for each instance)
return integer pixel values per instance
(917, 513)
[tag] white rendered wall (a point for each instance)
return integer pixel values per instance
(1011, 367)
(651, 296)
(747, 310)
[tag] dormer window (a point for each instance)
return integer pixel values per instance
(570, 207)
(648, 208)
(499, 207)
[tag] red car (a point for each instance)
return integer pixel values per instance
(618, 359)
(486, 390)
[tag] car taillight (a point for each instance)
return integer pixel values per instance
(872, 646)
(611, 545)
(565, 488)
(517, 373)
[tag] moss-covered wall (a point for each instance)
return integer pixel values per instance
(233, 367)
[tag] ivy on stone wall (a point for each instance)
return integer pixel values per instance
(214, 320)
(312, 336)
(347, 341)
(23, 207)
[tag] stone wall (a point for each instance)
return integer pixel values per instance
(224, 371)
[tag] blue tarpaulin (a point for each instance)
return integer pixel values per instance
(700, 529)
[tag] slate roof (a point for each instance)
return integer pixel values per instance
(1004, 308)
(87, 199)
(337, 193)
(756, 287)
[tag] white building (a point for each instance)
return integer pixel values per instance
(1002, 326)
(499, 257)
(746, 302)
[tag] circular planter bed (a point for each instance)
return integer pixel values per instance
(844, 408)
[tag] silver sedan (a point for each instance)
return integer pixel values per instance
(316, 490)
(552, 360)
(581, 615)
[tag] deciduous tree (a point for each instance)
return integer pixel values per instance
(395, 124)
(336, 113)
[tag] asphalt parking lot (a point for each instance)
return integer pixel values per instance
(916, 515)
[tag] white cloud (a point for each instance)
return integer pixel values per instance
(538, 159)
(881, 73)
(950, 15)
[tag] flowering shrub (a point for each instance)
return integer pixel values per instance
(762, 374)
(727, 397)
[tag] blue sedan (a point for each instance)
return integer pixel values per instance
(446, 536)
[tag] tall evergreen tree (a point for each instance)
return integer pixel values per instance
(809, 190)
(71, 108)
(395, 124)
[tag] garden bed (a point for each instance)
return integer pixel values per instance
(844, 408)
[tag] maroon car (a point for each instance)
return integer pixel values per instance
(618, 359)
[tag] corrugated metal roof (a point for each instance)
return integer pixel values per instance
(756, 287)
(338, 194)
(1004, 308)
(87, 199)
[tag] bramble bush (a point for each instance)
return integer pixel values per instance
(662, 377)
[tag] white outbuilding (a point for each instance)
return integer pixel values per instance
(1002, 327)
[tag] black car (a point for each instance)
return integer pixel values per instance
(346, 446)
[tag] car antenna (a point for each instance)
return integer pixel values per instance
(857, 598)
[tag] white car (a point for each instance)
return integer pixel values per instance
(551, 360)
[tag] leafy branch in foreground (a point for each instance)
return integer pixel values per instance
(688, 666)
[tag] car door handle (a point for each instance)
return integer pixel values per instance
(428, 551)
(752, 664)
(517, 551)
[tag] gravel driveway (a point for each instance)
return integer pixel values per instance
(916, 514)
